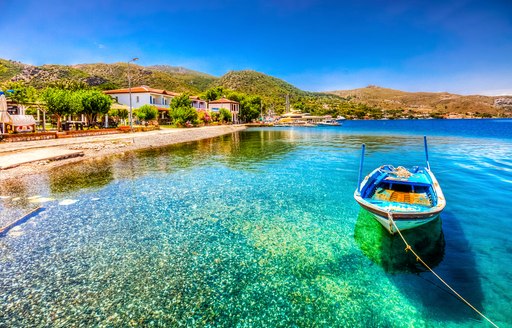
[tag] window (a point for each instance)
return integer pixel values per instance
(137, 98)
(150, 99)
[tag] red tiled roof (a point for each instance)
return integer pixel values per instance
(224, 101)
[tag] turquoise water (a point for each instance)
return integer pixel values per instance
(260, 229)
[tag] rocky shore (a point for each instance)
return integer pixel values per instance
(95, 147)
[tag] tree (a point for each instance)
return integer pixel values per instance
(20, 93)
(213, 93)
(107, 86)
(250, 106)
(299, 106)
(181, 111)
(93, 103)
(120, 113)
(180, 101)
(70, 85)
(225, 115)
(62, 102)
(146, 112)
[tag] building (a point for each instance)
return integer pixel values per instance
(15, 120)
(142, 95)
(231, 105)
(145, 95)
(198, 103)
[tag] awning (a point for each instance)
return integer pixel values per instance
(22, 120)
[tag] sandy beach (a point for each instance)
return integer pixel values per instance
(95, 147)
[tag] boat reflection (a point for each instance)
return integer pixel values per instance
(388, 251)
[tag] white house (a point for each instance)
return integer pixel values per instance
(145, 95)
(231, 105)
(141, 96)
(198, 103)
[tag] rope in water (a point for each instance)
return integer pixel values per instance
(409, 248)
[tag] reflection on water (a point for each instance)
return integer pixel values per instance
(388, 251)
(71, 178)
(239, 150)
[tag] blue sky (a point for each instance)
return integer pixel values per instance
(456, 46)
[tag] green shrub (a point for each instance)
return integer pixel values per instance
(183, 115)
(181, 111)
(146, 112)
(225, 115)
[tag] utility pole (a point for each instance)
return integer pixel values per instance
(130, 90)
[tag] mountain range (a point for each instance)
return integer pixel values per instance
(272, 90)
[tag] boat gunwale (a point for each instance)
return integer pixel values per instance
(404, 215)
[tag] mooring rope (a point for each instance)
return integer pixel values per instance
(409, 248)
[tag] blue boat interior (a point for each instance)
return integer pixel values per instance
(400, 189)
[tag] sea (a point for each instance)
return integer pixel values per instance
(259, 228)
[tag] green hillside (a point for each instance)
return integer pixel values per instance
(252, 82)
(108, 76)
(369, 102)
(9, 69)
(273, 91)
(192, 79)
(157, 77)
(179, 70)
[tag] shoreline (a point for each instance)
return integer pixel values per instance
(97, 147)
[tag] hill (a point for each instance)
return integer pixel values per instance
(9, 69)
(252, 82)
(179, 70)
(273, 91)
(107, 76)
(427, 103)
(371, 102)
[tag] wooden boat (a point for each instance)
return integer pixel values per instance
(410, 197)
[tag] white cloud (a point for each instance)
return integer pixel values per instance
(497, 92)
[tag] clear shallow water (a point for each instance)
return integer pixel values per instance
(259, 228)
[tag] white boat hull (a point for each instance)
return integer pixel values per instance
(402, 224)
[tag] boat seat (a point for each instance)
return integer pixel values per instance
(402, 197)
